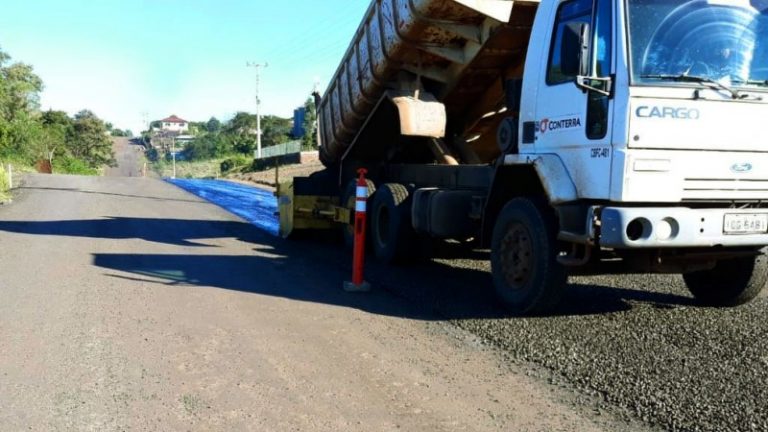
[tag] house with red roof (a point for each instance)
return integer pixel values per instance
(174, 124)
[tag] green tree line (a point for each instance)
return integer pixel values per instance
(78, 144)
(215, 139)
(237, 137)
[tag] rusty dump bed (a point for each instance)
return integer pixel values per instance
(460, 50)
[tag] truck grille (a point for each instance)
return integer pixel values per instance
(725, 189)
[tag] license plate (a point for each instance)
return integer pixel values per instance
(746, 224)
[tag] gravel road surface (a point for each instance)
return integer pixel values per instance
(636, 346)
(129, 304)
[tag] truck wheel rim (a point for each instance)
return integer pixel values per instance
(516, 256)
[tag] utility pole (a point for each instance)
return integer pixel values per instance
(145, 119)
(173, 153)
(315, 102)
(258, 67)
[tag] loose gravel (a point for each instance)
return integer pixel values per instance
(637, 343)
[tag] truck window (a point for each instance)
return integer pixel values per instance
(597, 105)
(723, 41)
(568, 12)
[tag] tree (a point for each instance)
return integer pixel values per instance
(213, 126)
(198, 128)
(208, 146)
(28, 135)
(21, 136)
(90, 142)
(309, 140)
(19, 89)
(19, 100)
(88, 114)
(275, 130)
(60, 118)
(56, 134)
(241, 124)
(51, 140)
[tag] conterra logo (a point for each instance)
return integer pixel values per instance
(558, 125)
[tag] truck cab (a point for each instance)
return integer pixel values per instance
(654, 110)
(568, 136)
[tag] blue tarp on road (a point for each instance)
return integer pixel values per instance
(255, 205)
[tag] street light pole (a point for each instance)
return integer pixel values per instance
(258, 67)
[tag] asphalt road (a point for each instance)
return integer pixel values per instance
(129, 304)
(129, 157)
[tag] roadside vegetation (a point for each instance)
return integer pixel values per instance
(5, 194)
(29, 137)
(185, 169)
(226, 148)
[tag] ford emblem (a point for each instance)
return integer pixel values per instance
(741, 167)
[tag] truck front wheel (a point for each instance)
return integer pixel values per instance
(524, 253)
(730, 283)
(391, 229)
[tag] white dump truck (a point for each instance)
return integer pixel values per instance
(568, 136)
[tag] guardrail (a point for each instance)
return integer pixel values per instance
(281, 150)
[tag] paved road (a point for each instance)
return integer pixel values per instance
(129, 157)
(128, 304)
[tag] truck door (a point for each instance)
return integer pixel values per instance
(571, 121)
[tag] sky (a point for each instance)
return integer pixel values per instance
(124, 58)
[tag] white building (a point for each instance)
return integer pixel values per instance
(174, 124)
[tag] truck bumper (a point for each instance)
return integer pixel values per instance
(674, 227)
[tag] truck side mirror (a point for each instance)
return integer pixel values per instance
(574, 49)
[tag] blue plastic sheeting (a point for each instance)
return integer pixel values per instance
(255, 205)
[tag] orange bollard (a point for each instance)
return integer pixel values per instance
(358, 283)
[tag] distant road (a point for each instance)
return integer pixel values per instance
(130, 159)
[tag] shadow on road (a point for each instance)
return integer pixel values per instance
(180, 232)
(313, 271)
(73, 190)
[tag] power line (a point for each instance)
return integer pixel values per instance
(321, 27)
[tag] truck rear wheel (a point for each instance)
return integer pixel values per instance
(348, 200)
(524, 252)
(391, 230)
(730, 283)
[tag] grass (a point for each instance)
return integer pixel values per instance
(5, 189)
(185, 169)
(73, 166)
(202, 169)
(191, 403)
(19, 168)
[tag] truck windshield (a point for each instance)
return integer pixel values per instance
(711, 40)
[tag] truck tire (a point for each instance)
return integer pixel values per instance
(348, 199)
(391, 230)
(524, 250)
(730, 283)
